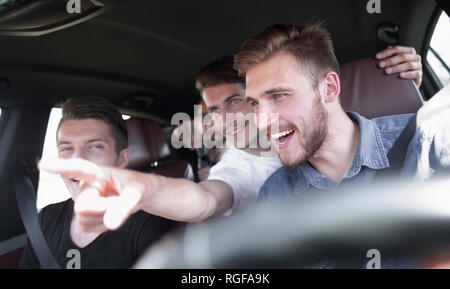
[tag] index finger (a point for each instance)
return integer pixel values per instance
(392, 50)
(76, 168)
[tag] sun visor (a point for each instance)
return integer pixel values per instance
(38, 17)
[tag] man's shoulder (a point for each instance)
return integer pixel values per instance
(392, 124)
(238, 160)
(230, 153)
(54, 217)
(280, 183)
(233, 153)
(56, 208)
(390, 128)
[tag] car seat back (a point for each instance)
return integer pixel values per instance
(369, 91)
(150, 151)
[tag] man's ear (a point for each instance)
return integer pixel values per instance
(124, 157)
(333, 87)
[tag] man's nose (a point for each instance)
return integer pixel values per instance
(79, 154)
(265, 118)
(216, 121)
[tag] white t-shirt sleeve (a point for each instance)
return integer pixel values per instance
(244, 173)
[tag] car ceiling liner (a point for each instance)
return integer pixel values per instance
(38, 17)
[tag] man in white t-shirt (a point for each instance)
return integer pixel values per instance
(244, 173)
(233, 182)
(244, 166)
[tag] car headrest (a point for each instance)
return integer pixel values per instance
(146, 142)
(369, 91)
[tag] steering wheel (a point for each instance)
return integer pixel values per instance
(336, 229)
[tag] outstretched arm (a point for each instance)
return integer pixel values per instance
(110, 195)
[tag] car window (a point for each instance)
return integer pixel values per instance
(438, 55)
(51, 188)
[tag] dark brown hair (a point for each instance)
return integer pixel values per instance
(310, 44)
(218, 72)
(96, 107)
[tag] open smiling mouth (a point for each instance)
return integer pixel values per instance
(283, 137)
(75, 181)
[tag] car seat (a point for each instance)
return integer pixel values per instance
(371, 92)
(150, 151)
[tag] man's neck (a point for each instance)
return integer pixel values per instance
(80, 237)
(336, 155)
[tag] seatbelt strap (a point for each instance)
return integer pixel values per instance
(396, 156)
(26, 200)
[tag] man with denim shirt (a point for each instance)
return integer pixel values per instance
(377, 137)
(292, 72)
(292, 75)
(427, 154)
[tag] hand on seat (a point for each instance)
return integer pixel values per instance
(403, 60)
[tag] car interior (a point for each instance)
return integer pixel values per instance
(143, 56)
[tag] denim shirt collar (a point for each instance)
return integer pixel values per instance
(370, 153)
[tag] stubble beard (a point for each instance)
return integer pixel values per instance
(313, 135)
